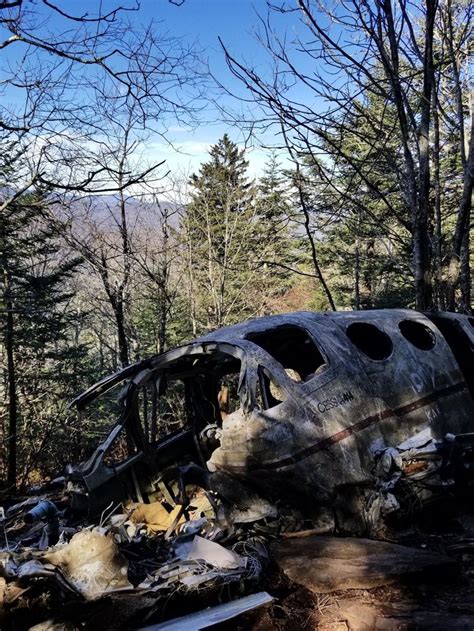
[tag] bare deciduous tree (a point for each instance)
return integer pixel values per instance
(72, 80)
(344, 56)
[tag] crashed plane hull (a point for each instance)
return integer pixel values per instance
(300, 407)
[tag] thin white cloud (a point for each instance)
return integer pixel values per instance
(179, 129)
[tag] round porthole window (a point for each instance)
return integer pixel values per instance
(417, 334)
(370, 340)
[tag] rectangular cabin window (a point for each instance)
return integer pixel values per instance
(293, 348)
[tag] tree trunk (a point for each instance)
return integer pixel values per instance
(309, 234)
(439, 298)
(461, 232)
(12, 394)
(121, 334)
(422, 249)
(418, 194)
(164, 285)
(163, 317)
(357, 276)
(368, 276)
(465, 272)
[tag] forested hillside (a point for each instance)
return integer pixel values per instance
(365, 112)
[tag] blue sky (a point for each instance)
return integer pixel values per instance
(201, 22)
(204, 21)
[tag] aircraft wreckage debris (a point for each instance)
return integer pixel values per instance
(242, 447)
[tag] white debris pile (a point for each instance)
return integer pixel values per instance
(92, 563)
(199, 562)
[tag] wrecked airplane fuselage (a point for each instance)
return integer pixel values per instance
(303, 408)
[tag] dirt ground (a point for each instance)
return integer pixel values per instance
(437, 602)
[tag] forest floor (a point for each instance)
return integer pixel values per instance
(424, 580)
(438, 605)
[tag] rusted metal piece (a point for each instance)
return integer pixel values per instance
(301, 408)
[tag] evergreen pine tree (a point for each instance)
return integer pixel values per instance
(222, 237)
(278, 243)
(42, 356)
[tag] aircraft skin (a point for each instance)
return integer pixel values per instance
(312, 401)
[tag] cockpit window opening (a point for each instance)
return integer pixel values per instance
(161, 407)
(93, 424)
(122, 448)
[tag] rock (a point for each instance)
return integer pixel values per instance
(328, 564)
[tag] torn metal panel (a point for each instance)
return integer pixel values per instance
(298, 407)
(213, 615)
